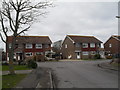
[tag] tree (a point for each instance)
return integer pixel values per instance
(16, 17)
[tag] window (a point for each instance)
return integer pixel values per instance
(93, 52)
(38, 45)
(110, 45)
(39, 53)
(85, 53)
(77, 45)
(92, 45)
(28, 45)
(85, 45)
(98, 45)
(10, 45)
(29, 54)
(65, 45)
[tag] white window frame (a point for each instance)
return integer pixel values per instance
(29, 45)
(93, 52)
(85, 53)
(92, 45)
(110, 45)
(31, 54)
(10, 45)
(38, 46)
(39, 53)
(66, 46)
(85, 45)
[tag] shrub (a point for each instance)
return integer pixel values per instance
(97, 56)
(32, 64)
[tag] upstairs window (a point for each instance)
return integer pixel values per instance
(28, 45)
(85, 45)
(98, 45)
(92, 45)
(110, 45)
(10, 45)
(65, 45)
(38, 45)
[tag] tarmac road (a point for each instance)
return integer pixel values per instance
(82, 74)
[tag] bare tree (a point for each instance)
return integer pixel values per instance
(16, 17)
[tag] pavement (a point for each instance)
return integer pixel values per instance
(107, 65)
(38, 78)
(17, 72)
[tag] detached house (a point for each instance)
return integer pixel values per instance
(27, 46)
(112, 46)
(80, 47)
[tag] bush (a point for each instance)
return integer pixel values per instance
(32, 64)
(97, 56)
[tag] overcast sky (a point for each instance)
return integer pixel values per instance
(78, 18)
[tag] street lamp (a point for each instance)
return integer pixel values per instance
(117, 16)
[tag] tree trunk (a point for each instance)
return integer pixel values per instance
(11, 57)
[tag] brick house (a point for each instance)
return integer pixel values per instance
(28, 46)
(112, 46)
(80, 47)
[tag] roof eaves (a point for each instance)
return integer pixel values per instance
(70, 39)
(116, 38)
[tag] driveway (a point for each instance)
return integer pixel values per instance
(82, 74)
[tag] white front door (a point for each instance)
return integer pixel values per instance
(78, 55)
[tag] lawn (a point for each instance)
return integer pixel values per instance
(10, 81)
(16, 67)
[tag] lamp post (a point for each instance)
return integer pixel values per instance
(117, 16)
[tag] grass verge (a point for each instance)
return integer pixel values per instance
(16, 67)
(10, 81)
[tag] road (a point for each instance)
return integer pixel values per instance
(82, 74)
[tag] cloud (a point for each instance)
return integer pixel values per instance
(82, 18)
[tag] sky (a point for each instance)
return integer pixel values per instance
(77, 18)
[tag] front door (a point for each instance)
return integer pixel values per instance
(78, 55)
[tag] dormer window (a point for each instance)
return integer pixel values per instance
(28, 45)
(38, 45)
(85, 45)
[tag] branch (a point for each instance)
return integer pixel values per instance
(26, 29)
(2, 38)
(3, 26)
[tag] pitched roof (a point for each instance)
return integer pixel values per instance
(31, 39)
(116, 37)
(84, 39)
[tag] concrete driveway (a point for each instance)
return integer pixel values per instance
(82, 74)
